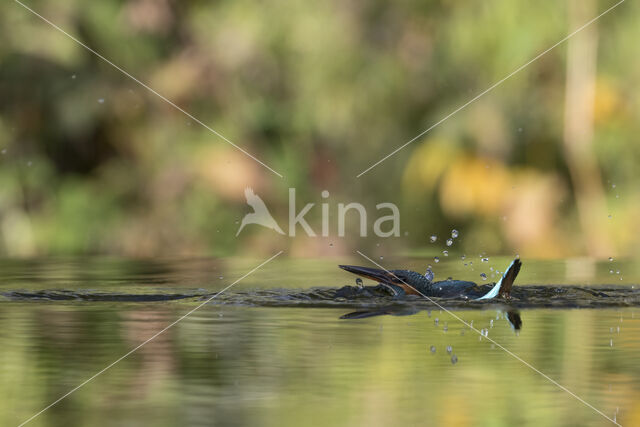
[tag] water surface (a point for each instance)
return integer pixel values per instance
(257, 357)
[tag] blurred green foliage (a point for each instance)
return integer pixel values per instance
(94, 163)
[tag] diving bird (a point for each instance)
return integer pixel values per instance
(406, 282)
(260, 214)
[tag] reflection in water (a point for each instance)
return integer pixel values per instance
(514, 319)
(236, 365)
(273, 354)
(512, 316)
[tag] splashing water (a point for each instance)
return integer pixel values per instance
(429, 274)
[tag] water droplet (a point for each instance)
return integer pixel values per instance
(484, 276)
(610, 259)
(445, 253)
(449, 349)
(101, 101)
(449, 242)
(436, 259)
(454, 233)
(433, 349)
(454, 359)
(429, 274)
(433, 238)
(359, 282)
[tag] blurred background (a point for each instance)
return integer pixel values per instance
(544, 165)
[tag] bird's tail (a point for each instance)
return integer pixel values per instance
(504, 285)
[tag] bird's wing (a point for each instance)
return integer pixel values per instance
(395, 277)
(504, 285)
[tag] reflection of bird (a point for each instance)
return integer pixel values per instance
(260, 214)
(401, 282)
(512, 315)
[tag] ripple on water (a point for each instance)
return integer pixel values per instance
(522, 297)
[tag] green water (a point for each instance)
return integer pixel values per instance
(230, 363)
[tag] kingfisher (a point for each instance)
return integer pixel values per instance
(406, 282)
